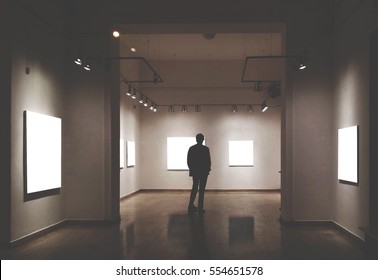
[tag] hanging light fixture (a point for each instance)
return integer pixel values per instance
(145, 104)
(155, 109)
(87, 66)
(141, 100)
(78, 61)
(128, 92)
(303, 60)
(133, 94)
(264, 106)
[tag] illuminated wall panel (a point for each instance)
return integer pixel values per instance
(121, 153)
(348, 154)
(43, 152)
(240, 153)
(130, 153)
(177, 151)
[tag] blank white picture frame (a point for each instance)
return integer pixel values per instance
(130, 154)
(177, 152)
(348, 154)
(240, 153)
(121, 153)
(43, 152)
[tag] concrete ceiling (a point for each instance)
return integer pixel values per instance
(224, 46)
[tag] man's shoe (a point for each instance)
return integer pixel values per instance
(192, 209)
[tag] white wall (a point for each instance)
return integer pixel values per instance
(308, 131)
(351, 59)
(219, 125)
(43, 50)
(130, 127)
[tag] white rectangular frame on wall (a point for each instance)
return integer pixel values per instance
(121, 153)
(177, 152)
(43, 152)
(348, 154)
(130, 154)
(240, 153)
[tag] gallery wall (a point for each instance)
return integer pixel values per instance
(219, 125)
(308, 130)
(41, 49)
(5, 123)
(130, 131)
(351, 87)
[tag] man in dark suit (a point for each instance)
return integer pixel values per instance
(199, 164)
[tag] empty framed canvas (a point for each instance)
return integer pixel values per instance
(240, 153)
(177, 152)
(121, 153)
(348, 154)
(43, 152)
(130, 153)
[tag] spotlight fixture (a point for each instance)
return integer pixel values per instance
(171, 109)
(141, 99)
(128, 92)
(264, 106)
(234, 108)
(303, 60)
(184, 109)
(302, 65)
(250, 108)
(78, 61)
(145, 104)
(152, 107)
(197, 108)
(87, 66)
(133, 94)
(259, 86)
(155, 109)
(133, 49)
(115, 34)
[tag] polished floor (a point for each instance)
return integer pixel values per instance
(156, 225)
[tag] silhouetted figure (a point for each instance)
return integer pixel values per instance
(199, 164)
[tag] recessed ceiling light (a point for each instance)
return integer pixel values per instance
(116, 34)
(133, 49)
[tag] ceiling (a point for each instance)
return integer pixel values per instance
(208, 46)
(202, 67)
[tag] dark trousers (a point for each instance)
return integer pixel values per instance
(199, 185)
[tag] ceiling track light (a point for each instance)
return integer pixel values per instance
(250, 108)
(78, 61)
(128, 92)
(171, 108)
(141, 100)
(184, 109)
(132, 92)
(87, 66)
(264, 106)
(197, 108)
(234, 108)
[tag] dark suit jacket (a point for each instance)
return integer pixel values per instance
(199, 161)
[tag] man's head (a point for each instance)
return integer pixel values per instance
(200, 138)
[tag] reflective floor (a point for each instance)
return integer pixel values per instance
(156, 225)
